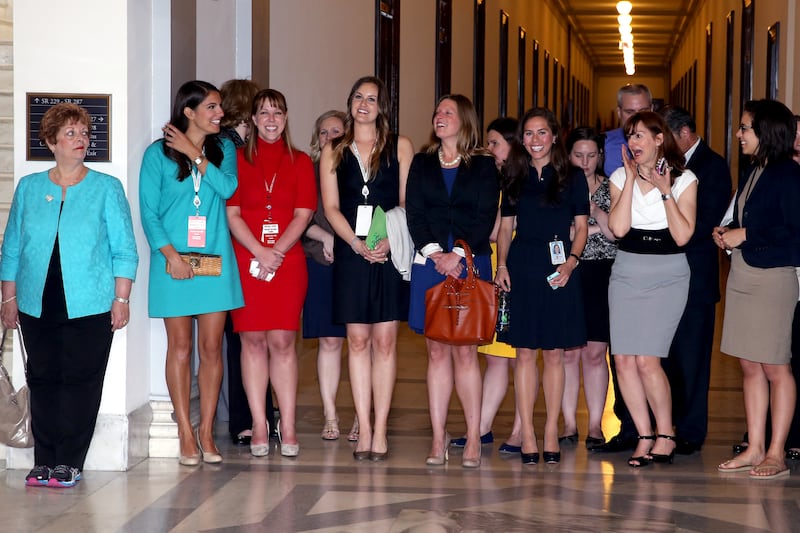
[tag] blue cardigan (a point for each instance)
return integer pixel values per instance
(95, 236)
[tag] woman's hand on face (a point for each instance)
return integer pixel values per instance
(661, 182)
(629, 163)
(120, 314)
(502, 279)
(9, 314)
(177, 140)
(179, 269)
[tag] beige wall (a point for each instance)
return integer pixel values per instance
(315, 63)
(317, 50)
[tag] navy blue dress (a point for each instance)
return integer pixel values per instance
(542, 317)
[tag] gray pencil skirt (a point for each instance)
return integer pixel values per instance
(647, 294)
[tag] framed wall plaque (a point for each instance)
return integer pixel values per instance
(99, 108)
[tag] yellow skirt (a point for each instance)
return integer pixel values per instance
(497, 348)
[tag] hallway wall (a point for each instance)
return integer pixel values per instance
(315, 62)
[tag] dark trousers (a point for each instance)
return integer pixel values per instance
(688, 369)
(66, 367)
(239, 418)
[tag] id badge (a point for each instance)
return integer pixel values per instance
(197, 232)
(269, 232)
(363, 220)
(557, 256)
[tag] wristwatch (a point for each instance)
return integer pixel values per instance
(666, 197)
(577, 259)
(198, 160)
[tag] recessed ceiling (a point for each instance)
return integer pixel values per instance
(657, 26)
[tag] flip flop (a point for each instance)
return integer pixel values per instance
(740, 468)
(769, 467)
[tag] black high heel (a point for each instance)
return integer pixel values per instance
(529, 458)
(661, 457)
(551, 458)
(642, 460)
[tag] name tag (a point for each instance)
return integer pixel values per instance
(363, 220)
(557, 256)
(197, 232)
(269, 232)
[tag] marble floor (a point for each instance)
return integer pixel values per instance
(325, 490)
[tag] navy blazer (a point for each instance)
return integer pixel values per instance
(770, 217)
(713, 196)
(468, 213)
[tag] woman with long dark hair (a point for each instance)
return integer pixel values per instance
(183, 184)
(543, 197)
(762, 289)
(362, 170)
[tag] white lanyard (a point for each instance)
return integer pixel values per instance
(197, 177)
(364, 171)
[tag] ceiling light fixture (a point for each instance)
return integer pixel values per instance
(626, 35)
(624, 8)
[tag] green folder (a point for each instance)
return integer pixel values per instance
(377, 228)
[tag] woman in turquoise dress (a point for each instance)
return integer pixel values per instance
(184, 182)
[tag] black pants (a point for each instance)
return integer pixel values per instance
(239, 418)
(66, 367)
(688, 369)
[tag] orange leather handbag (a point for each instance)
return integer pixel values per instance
(461, 311)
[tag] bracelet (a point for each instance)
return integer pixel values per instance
(353, 241)
(11, 299)
(121, 300)
(501, 266)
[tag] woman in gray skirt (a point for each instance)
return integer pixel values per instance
(653, 204)
(762, 288)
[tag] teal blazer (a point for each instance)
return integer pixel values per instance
(95, 237)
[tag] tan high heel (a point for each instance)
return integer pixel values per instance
(442, 458)
(260, 450)
(208, 457)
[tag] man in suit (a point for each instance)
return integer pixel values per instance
(631, 99)
(688, 366)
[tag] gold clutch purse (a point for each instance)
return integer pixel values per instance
(202, 264)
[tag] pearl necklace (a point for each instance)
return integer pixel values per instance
(444, 163)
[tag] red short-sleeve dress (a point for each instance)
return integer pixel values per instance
(276, 304)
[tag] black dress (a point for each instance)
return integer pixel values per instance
(367, 293)
(542, 317)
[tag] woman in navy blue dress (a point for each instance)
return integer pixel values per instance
(543, 197)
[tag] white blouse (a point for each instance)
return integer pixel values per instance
(648, 211)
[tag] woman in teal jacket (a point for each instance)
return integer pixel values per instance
(68, 262)
(183, 184)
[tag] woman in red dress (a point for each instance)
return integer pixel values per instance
(269, 212)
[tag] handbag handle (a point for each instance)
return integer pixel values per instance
(21, 347)
(469, 281)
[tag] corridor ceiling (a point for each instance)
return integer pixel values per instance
(657, 26)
